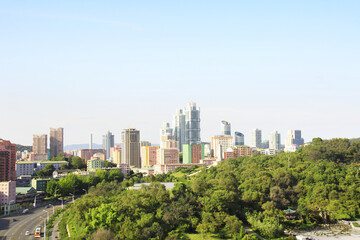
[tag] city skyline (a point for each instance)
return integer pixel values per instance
(282, 66)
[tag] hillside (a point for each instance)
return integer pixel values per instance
(320, 181)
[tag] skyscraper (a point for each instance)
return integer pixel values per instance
(56, 141)
(192, 124)
(131, 147)
(108, 142)
(239, 139)
(179, 128)
(7, 161)
(275, 141)
(256, 138)
(294, 140)
(226, 128)
(40, 144)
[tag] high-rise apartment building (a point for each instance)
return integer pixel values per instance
(275, 141)
(193, 153)
(192, 124)
(40, 144)
(294, 140)
(131, 147)
(56, 141)
(7, 161)
(179, 128)
(239, 139)
(166, 133)
(148, 155)
(220, 144)
(108, 143)
(226, 128)
(256, 138)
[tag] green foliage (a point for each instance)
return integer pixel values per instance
(47, 171)
(320, 181)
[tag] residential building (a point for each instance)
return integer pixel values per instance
(56, 164)
(166, 133)
(220, 144)
(100, 156)
(256, 140)
(108, 142)
(38, 156)
(193, 153)
(131, 147)
(40, 184)
(145, 143)
(226, 128)
(116, 154)
(179, 128)
(25, 168)
(239, 139)
(56, 141)
(238, 151)
(148, 155)
(94, 164)
(192, 124)
(40, 144)
(7, 161)
(293, 141)
(167, 156)
(275, 141)
(7, 192)
(87, 154)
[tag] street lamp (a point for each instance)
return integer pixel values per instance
(47, 214)
(9, 206)
(53, 208)
(44, 226)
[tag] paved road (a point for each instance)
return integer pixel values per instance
(15, 230)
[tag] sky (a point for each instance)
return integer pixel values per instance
(92, 66)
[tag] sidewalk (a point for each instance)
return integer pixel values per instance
(55, 232)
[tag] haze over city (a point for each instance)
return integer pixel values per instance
(90, 67)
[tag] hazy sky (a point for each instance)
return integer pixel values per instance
(93, 66)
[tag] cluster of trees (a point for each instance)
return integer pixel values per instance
(320, 181)
(77, 184)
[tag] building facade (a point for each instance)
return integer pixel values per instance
(239, 139)
(226, 128)
(56, 141)
(7, 192)
(293, 141)
(192, 124)
(220, 144)
(25, 168)
(179, 128)
(131, 147)
(94, 164)
(256, 140)
(7, 161)
(275, 141)
(87, 154)
(193, 153)
(149, 155)
(40, 144)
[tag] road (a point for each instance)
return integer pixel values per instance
(15, 229)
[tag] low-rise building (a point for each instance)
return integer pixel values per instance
(25, 168)
(193, 153)
(94, 164)
(40, 184)
(56, 164)
(87, 154)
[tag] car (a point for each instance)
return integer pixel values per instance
(26, 211)
(27, 233)
(14, 220)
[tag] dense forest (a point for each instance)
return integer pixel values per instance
(320, 181)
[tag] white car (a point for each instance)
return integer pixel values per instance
(27, 233)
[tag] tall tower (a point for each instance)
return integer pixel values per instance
(256, 138)
(90, 141)
(56, 141)
(108, 142)
(226, 128)
(179, 128)
(274, 140)
(40, 144)
(131, 147)
(7, 161)
(192, 124)
(239, 139)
